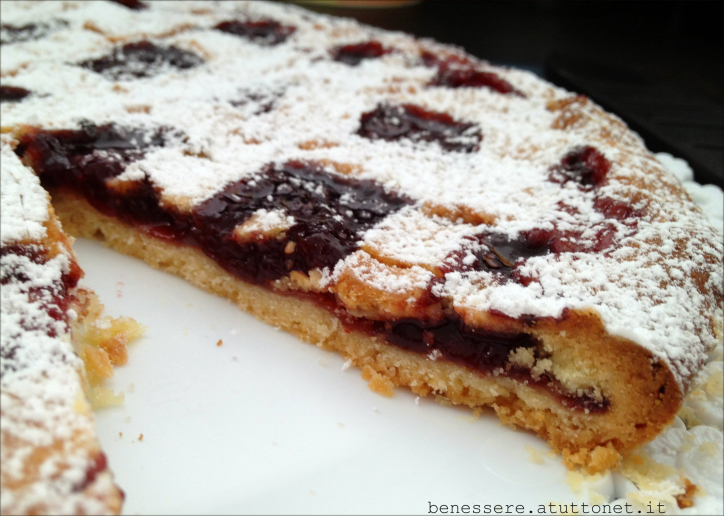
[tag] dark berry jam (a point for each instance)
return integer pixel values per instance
(97, 466)
(13, 93)
(134, 5)
(84, 160)
(330, 212)
(262, 32)
(20, 33)
(458, 72)
(502, 255)
(142, 59)
(354, 54)
(53, 298)
(499, 253)
(471, 78)
(583, 165)
(430, 59)
(618, 210)
(105, 149)
(596, 239)
(588, 168)
(263, 100)
(391, 123)
(481, 350)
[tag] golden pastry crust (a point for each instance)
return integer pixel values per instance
(642, 391)
(51, 459)
(370, 183)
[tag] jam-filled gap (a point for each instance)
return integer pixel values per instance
(330, 213)
(515, 355)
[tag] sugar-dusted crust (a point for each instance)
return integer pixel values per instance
(643, 398)
(498, 228)
(51, 461)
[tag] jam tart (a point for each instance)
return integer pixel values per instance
(55, 350)
(464, 230)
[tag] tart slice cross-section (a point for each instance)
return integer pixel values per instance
(466, 230)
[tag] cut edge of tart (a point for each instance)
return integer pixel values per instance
(641, 395)
(466, 230)
(269, 242)
(51, 459)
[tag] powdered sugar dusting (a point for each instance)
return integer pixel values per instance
(411, 238)
(383, 278)
(264, 221)
(24, 202)
(657, 282)
(44, 414)
(709, 197)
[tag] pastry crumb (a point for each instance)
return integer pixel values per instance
(378, 383)
(534, 455)
(685, 499)
(574, 479)
(101, 397)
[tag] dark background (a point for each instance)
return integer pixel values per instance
(658, 65)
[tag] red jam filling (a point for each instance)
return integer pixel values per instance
(482, 350)
(98, 465)
(134, 5)
(13, 93)
(83, 160)
(141, 59)
(458, 72)
(573, 241)
(587, 168)
(583, 165)
(264, 100)
(262, 32)
(20, 33)
(496, 253)
(54, 298)
(354, 54)
(391, 123)
(612, 209)
(330, 212)
(470, 78)
(501, 255)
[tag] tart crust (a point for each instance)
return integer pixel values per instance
(642, 391)
(401, 170)
(51, 459)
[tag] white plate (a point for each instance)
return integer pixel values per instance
(268, 424)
